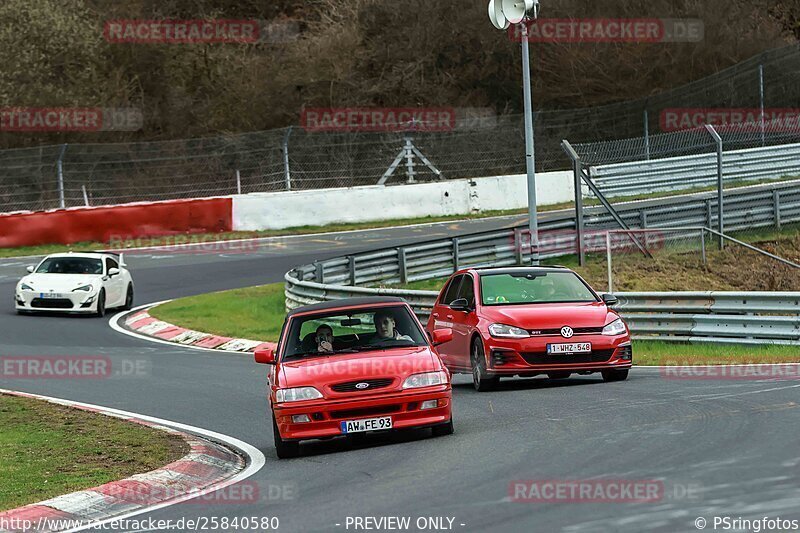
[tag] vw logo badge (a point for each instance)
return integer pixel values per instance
(362, 386)
(567, 332)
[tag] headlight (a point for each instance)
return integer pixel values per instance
(615, 328)
(26, 287)
(85, 288)
(428, 379)
(509, 332)
(297, 395)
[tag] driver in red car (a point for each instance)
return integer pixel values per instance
(385, 326)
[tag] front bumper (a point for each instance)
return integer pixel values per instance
(528, 357)
(74, 302)
(327, 415)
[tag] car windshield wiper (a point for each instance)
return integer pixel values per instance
(303, 355)
(383, 346)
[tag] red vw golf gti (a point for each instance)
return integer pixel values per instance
(355, 366)
(527, 322)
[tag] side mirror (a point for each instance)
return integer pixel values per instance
(30, 269)
(610, 300)
(112, 272)
(461, 305)
(265, 357)
(441, 336)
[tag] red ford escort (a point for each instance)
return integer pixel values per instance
(527, 322)
(355, 366)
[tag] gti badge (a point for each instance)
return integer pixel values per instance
(362, 386)
(567, 332)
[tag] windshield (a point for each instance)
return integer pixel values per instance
(360, 330)
(534, 288)
(70, 265)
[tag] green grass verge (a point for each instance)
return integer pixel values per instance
(47, 450)
(255, 313)
(657, 353)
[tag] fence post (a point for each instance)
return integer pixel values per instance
(577, 170)
(319, 272)
(85, 196)
(60, 166)
(720, 186)
(402, 266)
(456, 255)
(608, 262)
(763, 109)
(776, 202)
(647, 134)
(518, 246)
(703, 246)
(238, 182)
(286, 170)
(351, 267)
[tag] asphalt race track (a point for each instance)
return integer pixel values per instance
(720, 447)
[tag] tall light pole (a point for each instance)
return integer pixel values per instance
(504, 13)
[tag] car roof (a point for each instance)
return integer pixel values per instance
(520, 270)
(95, 255)
(347, 302)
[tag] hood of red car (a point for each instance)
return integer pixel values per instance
(320, 371)
(551, 316)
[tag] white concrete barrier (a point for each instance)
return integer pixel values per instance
(279, 210)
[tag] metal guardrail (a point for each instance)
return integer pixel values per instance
(697, 171)
(759, 318)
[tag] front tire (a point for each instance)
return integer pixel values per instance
(284, 449)
(481, 379)
(443, 429)
(611, 376)
(101, 304)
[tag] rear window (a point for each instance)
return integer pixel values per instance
(534, 288)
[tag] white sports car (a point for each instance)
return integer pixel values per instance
(76, 283)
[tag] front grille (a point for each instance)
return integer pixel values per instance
(557, 332)
(540, 358)
(369, 411)
(55, 303)
(351, 386)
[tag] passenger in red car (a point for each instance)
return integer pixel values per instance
(324, 338)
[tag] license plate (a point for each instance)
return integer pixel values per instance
(370, 424)
(579, 347)
(51, 296)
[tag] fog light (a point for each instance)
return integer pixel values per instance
(300, 419)
(428, 404)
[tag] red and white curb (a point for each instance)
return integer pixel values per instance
(139, 323)
(207, 468)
